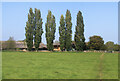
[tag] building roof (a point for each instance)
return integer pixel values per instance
(56, 43)
(21, 44)
(24, 45)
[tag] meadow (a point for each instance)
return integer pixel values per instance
(59, 65)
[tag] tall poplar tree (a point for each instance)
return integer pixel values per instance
(79, 34)
(50, 27)
(38, 31)
(29, 30)
(68, 33)
(62, 33)
(33, 29)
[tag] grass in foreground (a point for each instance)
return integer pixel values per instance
(59, 65)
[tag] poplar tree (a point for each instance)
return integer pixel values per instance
(79, 34)
(50, 28)
(33, 29)
(68, 31)
(29, 30)
(62, 33)
(38, 31)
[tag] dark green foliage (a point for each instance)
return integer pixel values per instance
(50, 27)
(62, 33)
(116, 47)
(95, 42)
(79, 34)
(33, 29)
(110, 45)
(68, 31)
(37, 28)
(103, 47)
(65, 32)
(30, 29)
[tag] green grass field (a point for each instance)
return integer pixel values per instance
(58, 65)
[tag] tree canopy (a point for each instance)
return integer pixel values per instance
(33, 29)
(79, 33)
(96, 42)
(68, 31)
(62, 32)
(50, 28)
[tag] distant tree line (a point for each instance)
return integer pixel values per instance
(95, 43)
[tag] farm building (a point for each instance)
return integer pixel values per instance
(20, 45)
(23, 46)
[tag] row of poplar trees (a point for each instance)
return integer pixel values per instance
(34, 31)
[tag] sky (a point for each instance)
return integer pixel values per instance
(100, 18)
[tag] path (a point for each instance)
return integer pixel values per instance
(101, 66)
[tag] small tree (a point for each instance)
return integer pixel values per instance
(9, 44)
(96, 42)
(116, 47)
(110, 45)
